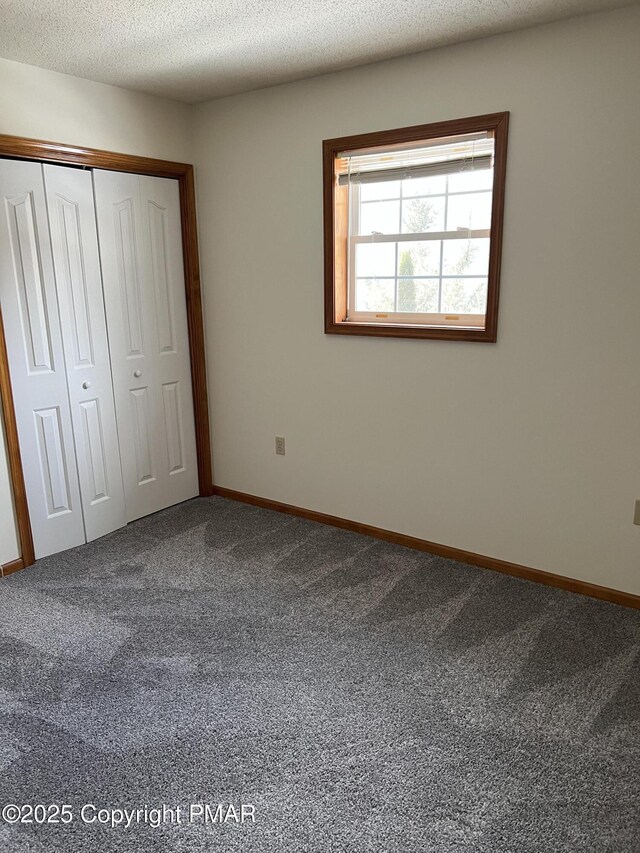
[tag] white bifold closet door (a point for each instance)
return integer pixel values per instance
(76, 263)
(139, 229)
(58, 354)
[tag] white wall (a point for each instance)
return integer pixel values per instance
(50, 106)
(46, 105)
(527, 450)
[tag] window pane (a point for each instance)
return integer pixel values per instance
(420, 258)
(481, 179)
(375, 294)
(424, 186)
(379, 190)
(380, 216)
(375, 259)
(418, 295)
(469, 211)
(466, 257)
(422, 214)
(464, 295)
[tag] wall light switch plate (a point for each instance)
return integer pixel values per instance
(280, 445)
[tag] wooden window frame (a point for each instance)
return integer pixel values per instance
(20, 148)
(336, 229)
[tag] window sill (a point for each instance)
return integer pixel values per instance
(437, 333)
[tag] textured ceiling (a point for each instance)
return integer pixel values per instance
(193, 50)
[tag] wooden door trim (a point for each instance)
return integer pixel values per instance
(18, 147)
(23, 522)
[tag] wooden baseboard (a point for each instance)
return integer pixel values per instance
(626, 599)
(616, 596)
(10, 568)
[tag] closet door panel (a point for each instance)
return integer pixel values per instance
(161, 206)
(130, 309)
(82, 314)
(36, 360)
(141, 245)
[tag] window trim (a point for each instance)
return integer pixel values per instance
(336, 231)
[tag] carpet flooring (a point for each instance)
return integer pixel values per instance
(359, 695)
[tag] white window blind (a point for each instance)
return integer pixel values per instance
(423, 159)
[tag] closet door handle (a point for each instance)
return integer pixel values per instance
(137, 373)
(86, 385)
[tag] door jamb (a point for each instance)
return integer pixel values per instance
(18, 147)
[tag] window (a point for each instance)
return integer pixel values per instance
(413, 230)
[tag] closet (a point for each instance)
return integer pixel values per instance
(93, 302)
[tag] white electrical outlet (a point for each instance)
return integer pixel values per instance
(280, 445)
(636, 517)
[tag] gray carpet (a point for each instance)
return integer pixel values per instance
(362, 696)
